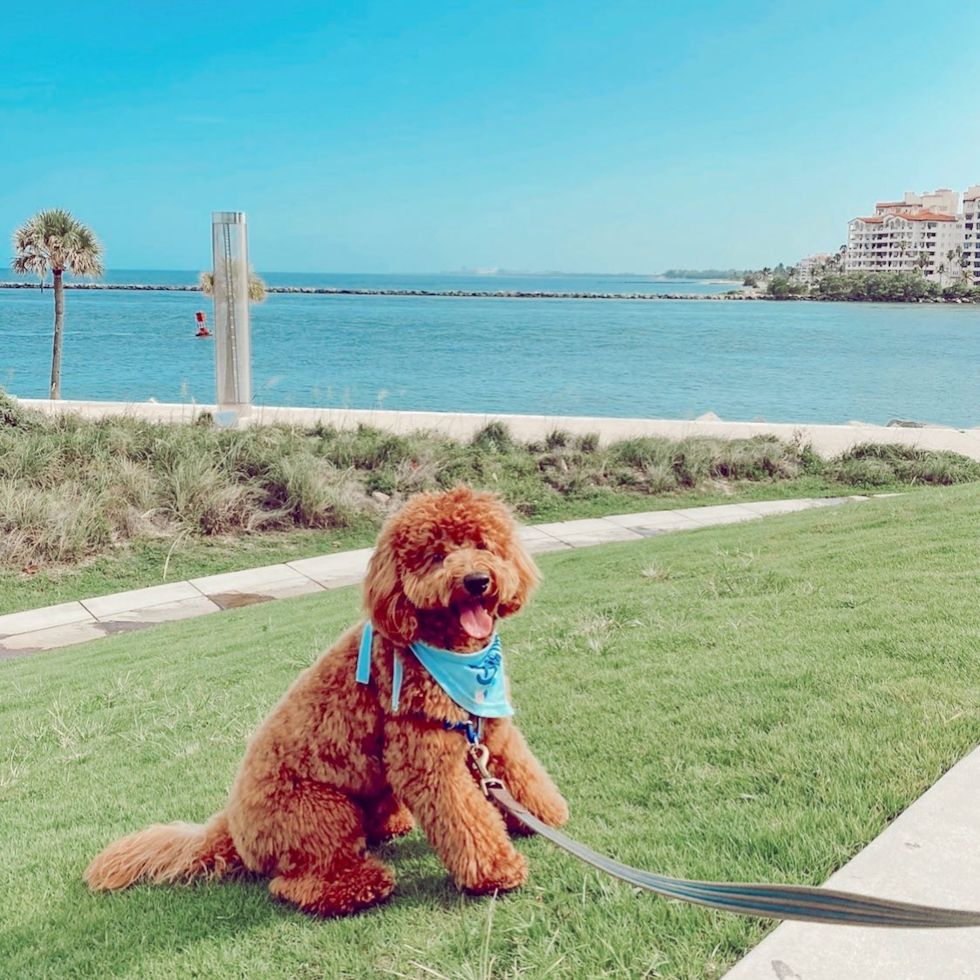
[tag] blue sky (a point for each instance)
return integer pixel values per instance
(423, 137)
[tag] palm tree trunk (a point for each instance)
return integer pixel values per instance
(59, 319)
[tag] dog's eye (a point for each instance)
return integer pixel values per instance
(437, 557)
(480, 546)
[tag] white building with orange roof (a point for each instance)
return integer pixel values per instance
(940, 201)
(810, 265)
(902, 236)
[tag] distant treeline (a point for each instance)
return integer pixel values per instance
(705, 273)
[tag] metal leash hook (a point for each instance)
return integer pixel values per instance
(479, 757)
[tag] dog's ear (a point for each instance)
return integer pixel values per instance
(526, 574)
(384, 599)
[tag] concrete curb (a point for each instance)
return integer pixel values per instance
(827, 440)
(931, 855)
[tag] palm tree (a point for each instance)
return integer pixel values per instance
(256, 287)
(901, 251)
(55, 240)
(964, 271)
(950, 255)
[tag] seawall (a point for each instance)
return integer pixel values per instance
(827, 440)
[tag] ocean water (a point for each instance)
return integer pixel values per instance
(784, 362)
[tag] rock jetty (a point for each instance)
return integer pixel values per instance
(451, 293)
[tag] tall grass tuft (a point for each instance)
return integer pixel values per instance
(880, 465)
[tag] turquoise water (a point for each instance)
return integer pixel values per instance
(785, 362)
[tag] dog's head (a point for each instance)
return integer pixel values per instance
(446, 567)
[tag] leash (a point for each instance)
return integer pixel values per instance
(800, 902)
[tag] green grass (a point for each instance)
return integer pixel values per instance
(754, 702)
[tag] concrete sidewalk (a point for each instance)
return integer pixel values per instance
(76, 622)
(930, 855)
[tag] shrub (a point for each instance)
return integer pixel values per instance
(904, 464)
(780, 288)
(14, 416)
(556, 439)
(494, 437)
(308, 492)
(864, 472)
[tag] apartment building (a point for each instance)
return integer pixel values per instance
(940, 201)
(810, 265)
(971, 233)
(922, 231)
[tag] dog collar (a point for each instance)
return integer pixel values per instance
(474, 681)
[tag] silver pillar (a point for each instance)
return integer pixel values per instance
(232, 342)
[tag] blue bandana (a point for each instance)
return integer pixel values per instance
(475, 681)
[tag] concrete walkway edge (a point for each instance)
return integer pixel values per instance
(48, 628)
(930, 854)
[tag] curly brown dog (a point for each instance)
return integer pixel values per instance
(334, 769)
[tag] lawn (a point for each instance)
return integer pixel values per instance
(753, 702)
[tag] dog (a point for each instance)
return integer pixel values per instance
(367, 741)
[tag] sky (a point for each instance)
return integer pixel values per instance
(428, 137)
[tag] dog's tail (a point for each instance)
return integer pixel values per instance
(166, 853)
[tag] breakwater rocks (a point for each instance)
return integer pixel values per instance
(450, 293)
(491, 294)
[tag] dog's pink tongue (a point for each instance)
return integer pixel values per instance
(475, 619)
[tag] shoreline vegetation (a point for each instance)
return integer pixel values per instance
(89, 507)
(855, 287)
(872, 287)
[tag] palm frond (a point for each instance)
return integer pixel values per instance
(30, 264)
(257, 292)
(54, 239)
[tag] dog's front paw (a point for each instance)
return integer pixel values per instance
(390, 819)
(550, 809)
(508, 870)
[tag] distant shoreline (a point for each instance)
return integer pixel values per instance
(352, 291)
(741, 295)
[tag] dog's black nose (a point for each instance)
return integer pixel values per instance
(476, 582)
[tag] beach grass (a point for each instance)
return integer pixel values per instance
(752, 702)
(89, 507)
